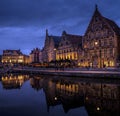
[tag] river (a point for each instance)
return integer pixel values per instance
(37, 95)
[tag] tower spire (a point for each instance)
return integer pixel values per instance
(46, 32)
(96, 6)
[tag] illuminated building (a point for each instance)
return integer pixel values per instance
(50, 47)
(101, 42)
(69, 47)
(14, 57)
(62, 47)
(35, 56)
(97, 48)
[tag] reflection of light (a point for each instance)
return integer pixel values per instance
(2, 78)
(55, 98)
(86, 98)
(98, 108)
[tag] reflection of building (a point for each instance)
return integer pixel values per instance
(35, 56)
(97, 98)
(36, 82)
(13, 81)
(14, 56)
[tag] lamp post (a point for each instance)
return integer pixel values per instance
(100, 53)
(55, 56)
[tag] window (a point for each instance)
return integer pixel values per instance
(66, 43)
(96, 19)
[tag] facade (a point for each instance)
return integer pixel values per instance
(97, 48)
(69, 47)
(14, 57)
(50, 47)
(101, 42)
(35, 56)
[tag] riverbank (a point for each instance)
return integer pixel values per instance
(76, 72)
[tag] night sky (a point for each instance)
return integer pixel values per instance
(23, 22)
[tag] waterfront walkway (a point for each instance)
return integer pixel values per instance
(72, 72)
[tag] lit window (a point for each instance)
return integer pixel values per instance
(96, 43)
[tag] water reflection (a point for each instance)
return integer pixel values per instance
(13, 81)
(98, 97)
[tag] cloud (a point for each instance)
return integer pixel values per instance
(23, 22)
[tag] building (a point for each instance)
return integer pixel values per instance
(35, 55)
(50, 47)
(101, 42)
(97, 48)
(61, 48)
(0, 58)
(69, 47)
(14, 57)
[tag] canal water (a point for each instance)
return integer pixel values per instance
(36, 95)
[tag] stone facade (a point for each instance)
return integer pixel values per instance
(101, 42)
(14, 56)
(49, 50)
(69, 47)
(35, 56)
(98, 48)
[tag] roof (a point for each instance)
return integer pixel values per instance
(56, 40)
(8, 51)
(113, 25)
(75, 39)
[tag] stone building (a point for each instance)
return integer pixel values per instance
(98, 47)
(69, 47)
(35, 55)
(49, 50)
(14, 57)
(101, 42)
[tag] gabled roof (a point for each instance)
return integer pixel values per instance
(96, 13)
(56, 40)
(109, 22)
(74, 39)
(9, 51)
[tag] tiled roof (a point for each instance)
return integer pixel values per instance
(56, 40)
(75, 39)
(12, 51)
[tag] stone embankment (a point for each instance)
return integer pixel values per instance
(74, 72)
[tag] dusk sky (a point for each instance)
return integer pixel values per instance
(23, 22)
